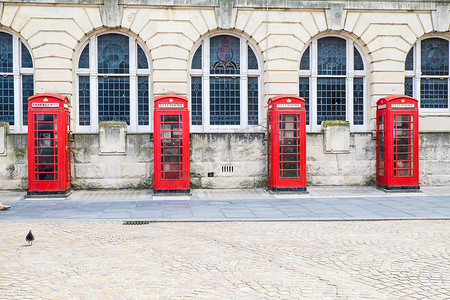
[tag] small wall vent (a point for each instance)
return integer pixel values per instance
(227, 169)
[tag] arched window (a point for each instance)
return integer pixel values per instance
(427, 74)
(225, 85)
(16, 82)
(332, 82)
(113, 83)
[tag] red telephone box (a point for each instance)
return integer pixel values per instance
(48, 144)
(398, 143)
(171, 137)
(286, 143)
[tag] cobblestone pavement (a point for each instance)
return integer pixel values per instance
(226, 260)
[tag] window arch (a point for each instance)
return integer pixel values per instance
(332, 82)
(113, 83)
(16, 82)
(427, 74)
(225, 85)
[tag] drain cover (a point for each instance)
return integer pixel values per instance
(137, 222)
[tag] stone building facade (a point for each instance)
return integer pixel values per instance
(112, 57)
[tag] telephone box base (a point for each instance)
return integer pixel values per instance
(400, 189)
(48, 194)
(174, 191)
(289, 189)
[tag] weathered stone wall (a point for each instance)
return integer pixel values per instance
(434, 156)
(94, 170)
(237, 160)
(357, 167)
(14, 162)
(246, 153)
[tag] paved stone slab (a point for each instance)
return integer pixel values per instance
(226, 260)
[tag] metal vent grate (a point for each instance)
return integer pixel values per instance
(137, 222)
(227, 169)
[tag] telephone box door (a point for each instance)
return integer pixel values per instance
(286, 145)
(48, 144)
(397, 143)
(171, 137)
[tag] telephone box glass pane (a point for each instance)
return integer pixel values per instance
(289, 127)
(113, 54)
(403, 145)
(171, 147)
(45, 156)
(380, 146)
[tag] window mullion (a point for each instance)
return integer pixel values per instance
(206, 88)
(313, 93)
(244, 85)
(93, 83)
(18, 123)
(349, 88)
(133, 85)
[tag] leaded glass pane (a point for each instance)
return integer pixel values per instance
(330, 99)
(357, 60)
(225, 55)
(434, 57)
(7, 99)
(6, 53)
(143, 106)
(83, 63)
(252, 61)
(253, 100)
(113, 54)
(27, 91)
(332, 56)
(114, 99)
(142, 58)
(433, 93)
(409, 62)
(27, 61)
(304, 93)
(409, 86)
(224, 101)
(84, 103)
(197, 59)
(196, 100)
(304, 62)
(358, 101)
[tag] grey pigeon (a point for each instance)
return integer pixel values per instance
(29, 238)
